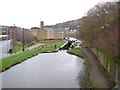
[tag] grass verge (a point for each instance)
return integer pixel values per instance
(75, 44)
(51, 47)
(17, 47)
(77, 51)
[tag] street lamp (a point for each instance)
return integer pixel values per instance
(23, 42)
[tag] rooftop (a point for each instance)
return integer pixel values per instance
(55, 29)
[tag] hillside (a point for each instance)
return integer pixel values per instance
(73, 24)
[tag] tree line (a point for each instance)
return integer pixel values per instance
(99, 29)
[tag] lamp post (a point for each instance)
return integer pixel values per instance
(11, 39)
(23, 42)
(7, 40)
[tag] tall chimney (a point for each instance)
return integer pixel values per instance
(42, 24)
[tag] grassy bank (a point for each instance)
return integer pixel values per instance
(76, 51)
(10, 61)
(18, 46)
(17, 58)
(75, 44)
(51, 47)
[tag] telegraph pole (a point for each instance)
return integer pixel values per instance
(23, 41)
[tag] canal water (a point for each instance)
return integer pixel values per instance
(4, 48)
(47, 70)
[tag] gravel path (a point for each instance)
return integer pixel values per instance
(34, 46)
(29, 48)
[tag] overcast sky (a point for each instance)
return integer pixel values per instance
(27, 13)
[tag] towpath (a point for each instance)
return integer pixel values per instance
(98, 73)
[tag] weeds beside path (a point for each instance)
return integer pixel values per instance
(99, 74)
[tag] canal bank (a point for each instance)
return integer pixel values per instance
(10, 61)
(77, 51)
(98, 75)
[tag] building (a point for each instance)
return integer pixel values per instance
(50, 32)
(41, 33)
(4, 37)
(4, 33)
(34, 31)
(14, 34)
(55, 33)
(71, 33)
(4, 30)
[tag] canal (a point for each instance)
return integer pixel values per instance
(47, 70)
(4, 48)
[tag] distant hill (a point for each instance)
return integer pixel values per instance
(73, 24)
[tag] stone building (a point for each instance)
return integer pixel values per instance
(71, 33)
(55, 33)
(34, 31)
(41, 33)
(50, 32)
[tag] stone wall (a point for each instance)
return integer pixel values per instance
(108, 63)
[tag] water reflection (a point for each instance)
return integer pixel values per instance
(53, 70)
